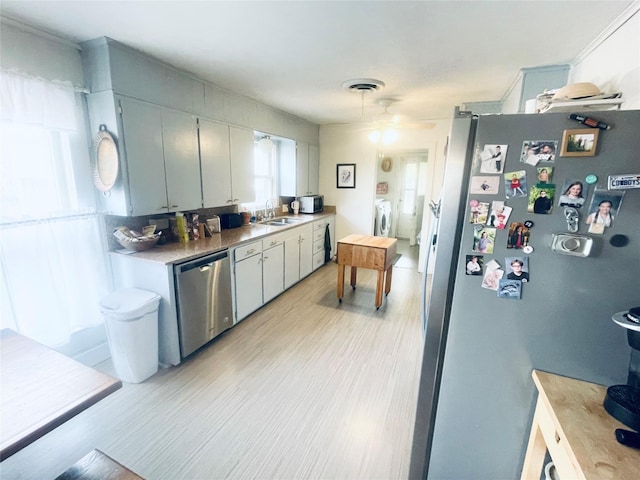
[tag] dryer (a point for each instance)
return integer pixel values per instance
(383, 218)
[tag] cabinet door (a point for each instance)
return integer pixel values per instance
(142, 135)
(242, 179)
(273, 272)
(215, 164)
(314, 170)
(292, 260)
(306, 250)
(181, 160)
(248, 274)
(302, 168)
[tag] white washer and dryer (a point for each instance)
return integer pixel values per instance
(383, 218)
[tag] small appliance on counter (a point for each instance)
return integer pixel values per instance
(311, 204)
(230, 220)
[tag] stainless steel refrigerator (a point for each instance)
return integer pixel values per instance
(476, 398)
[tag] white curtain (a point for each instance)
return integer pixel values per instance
(53, 267)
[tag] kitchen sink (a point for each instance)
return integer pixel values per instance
(281, 221)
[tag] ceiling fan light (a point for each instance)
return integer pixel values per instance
(389, 136)
(374, 136)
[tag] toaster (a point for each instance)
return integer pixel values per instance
(230, 220)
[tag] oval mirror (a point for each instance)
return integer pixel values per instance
(105, 165)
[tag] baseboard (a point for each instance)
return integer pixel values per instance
(94, 355)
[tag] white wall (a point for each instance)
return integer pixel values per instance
(612, 62)
(349, 144)
(38, 54)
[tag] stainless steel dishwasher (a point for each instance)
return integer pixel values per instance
(203, 292)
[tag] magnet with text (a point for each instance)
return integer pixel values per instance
(624, 182)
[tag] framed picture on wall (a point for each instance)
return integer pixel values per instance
(346, 175)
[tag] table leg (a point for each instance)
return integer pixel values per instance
(354, 274)
(340, 282)
(536, 450)
(387, 283)
(379, 286)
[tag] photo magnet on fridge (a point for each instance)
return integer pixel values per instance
(518, 236)
(604, 208)
(479, 213)
(572, 193)
(474, 264)
(491, 158)
(541, 198)
(511, 289)
(484, 239)
(545, 174)
(487, 185)
(535, 151)
(515, 184)
(517, 268)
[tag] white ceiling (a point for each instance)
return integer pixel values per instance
(295, 55)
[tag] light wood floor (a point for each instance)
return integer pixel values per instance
(305, 388)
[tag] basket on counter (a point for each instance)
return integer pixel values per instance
(139, 244)
(132, 240)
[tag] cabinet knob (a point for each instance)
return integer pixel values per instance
(235, 200)
(229, 201)
(249, 252)
(174, 206)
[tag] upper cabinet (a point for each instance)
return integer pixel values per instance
(158, 149)
(226, 155)
(299, 166)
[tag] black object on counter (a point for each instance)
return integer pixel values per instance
(230, 220)
(628, 438)
(622, 402)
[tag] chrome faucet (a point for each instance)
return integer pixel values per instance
(269, 212)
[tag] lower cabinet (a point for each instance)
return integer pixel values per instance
(264, 269)
(272, 268)
(297, 255)
(247, 270)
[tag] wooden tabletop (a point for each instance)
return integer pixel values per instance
(579, 416)
(368, 241)
(40, 389)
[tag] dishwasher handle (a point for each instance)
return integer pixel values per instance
(201, 262)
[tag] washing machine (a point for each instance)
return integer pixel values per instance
(383, 218)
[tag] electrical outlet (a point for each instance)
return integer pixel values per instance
(285, 209)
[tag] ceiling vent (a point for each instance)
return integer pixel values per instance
(362, 85)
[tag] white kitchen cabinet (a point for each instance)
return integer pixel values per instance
(161, 147)
(226, 156)
(272, 270)
(247, 270)
(181, 160)
(242, 168)
(215, 164)
(319, 233)
(297, 255)
(306, 250)
(159, 165)
(299, 170)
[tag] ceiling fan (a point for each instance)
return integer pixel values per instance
(386, 125)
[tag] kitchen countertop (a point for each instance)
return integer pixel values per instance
(176, 252)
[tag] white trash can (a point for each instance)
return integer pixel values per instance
(131, 318)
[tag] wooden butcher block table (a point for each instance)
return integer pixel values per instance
(375, 253)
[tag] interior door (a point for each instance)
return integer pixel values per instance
(407, 204)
